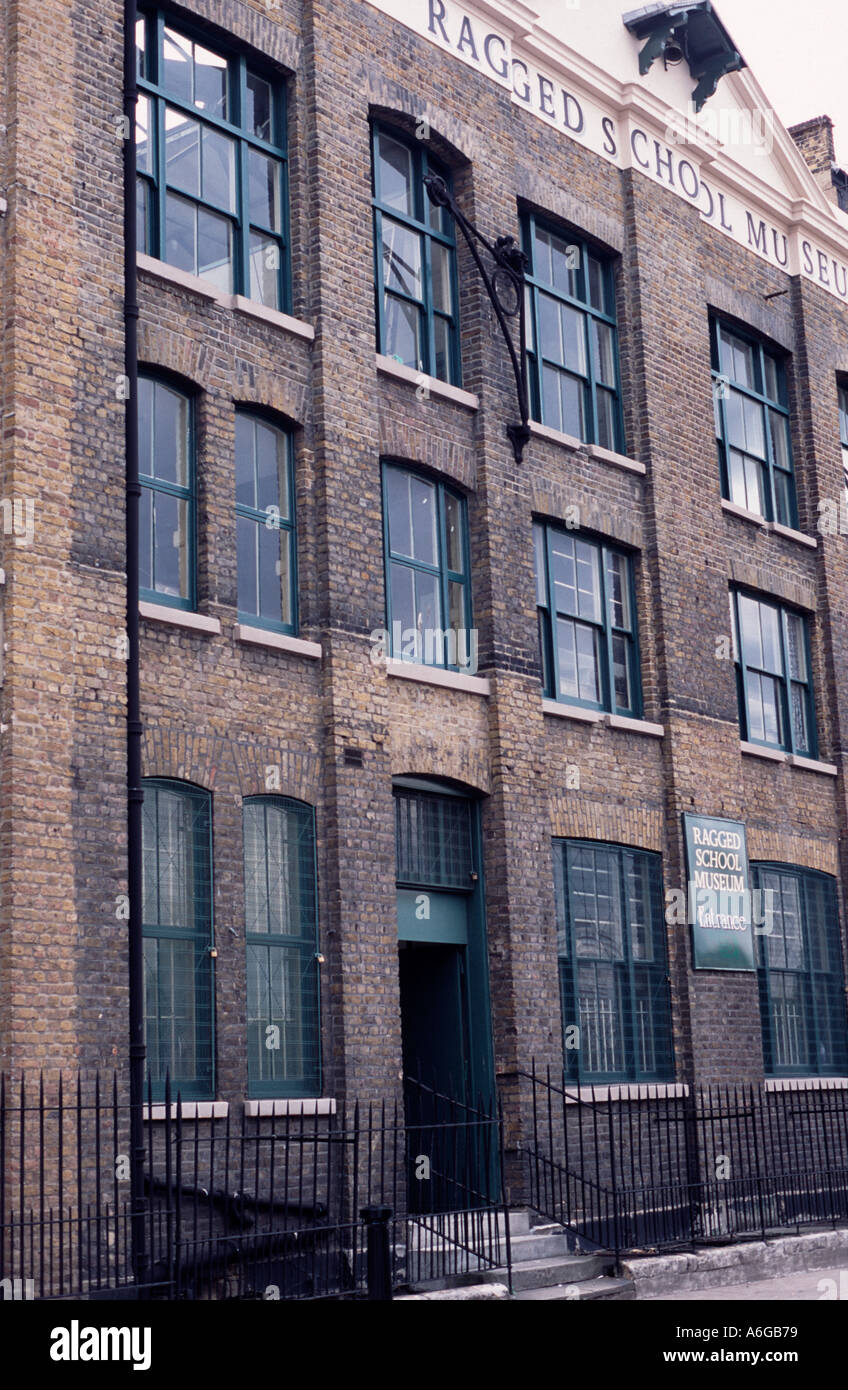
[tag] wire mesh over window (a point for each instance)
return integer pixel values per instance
(177, 925)
(434, 845)
(612, 963)
(802, 1001)
(281, 939)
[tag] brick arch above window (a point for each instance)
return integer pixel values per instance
(160, 350)
(462, 770)
(449, 140)
(215, 761)
(276, 393)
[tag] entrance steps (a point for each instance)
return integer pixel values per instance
(545, 1268)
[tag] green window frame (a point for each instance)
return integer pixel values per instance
(572, 338)
(428, 571)
(586, 608)
(800, 973)
(177, 925)
(211, 161)
(266, 547)
(773, 673)
(167, 514)
(842, 394)
(434, 840)
(613, 963)
(751, 401)
(281, 943)
(414, 259)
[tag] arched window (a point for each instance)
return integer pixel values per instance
(265, 525)
(281, 927)
(167, 512)
(177, 925)
(415, 256)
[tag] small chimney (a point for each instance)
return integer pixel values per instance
(815, 141)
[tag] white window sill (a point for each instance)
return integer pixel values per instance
(813, 765)
(178, 617)
(202, 287)
(636, 726)
(776, 755)
(436, 675)
(279, 641)
(804, 1083)
(773, 755)
(255, 1109)
(190, 1110)
(585, 716)
(568, 441)
(774, 527)
(638, 1090)
(596, 716)
(430, 385)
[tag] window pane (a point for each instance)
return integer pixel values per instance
(176, 76)
(182, 152)
(272, 476)
(606, 409)
(170, 545)
(397, 506)
(578, 657)
(441, 349)
(403, 602)
(210, 82)
(247, 547)
(588, 580)
(595, 899)
(264, 190)
(754, 486)
(618, 589)
(218, 184)
(454, 533)
(770, 701)
(265, 261)
(796, 644)
(140, 47)
(422, 505)
(441, 272)
(621, 672)
(779, 431)
(214, 249)
(737, 359)
(456, 613)
(169, 435)
(143, 136)
(245, 470)
(572, 406)
(401, 259)
(181, 234)
(428, 616)
(770, 627)
(737, 481)
(395, 175)
(798, 715)
(604, 344)
(597, 279)
(402, 329)
(145, 539)
(142, 216)
(274, 589)
(749, 631)
(540, 565)
(843, 415)
(772, 381)
(259, 115)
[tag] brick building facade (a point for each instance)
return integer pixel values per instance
(694, 284)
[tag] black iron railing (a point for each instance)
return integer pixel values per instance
(628, 1168)
(295, 1205)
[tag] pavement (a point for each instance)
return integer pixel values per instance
(804, 1285)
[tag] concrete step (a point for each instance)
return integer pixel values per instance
(539, 1244)
(591, 1290)
(545, 1273)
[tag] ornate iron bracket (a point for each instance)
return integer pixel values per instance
(505, 286)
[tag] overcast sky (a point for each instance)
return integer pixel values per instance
(798, 50)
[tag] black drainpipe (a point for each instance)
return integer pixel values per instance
(135, 794)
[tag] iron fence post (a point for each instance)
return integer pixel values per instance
(379, 1262)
